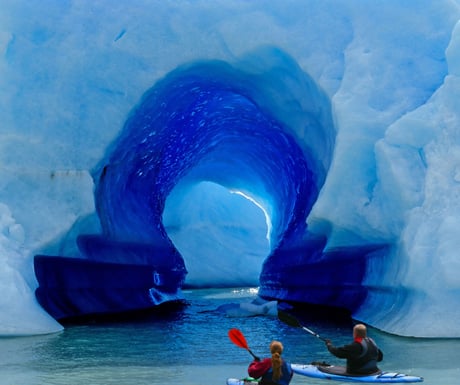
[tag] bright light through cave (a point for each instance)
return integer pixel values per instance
(267, 216)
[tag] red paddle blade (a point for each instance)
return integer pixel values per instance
(237, 337)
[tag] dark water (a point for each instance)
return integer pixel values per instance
(191, 347)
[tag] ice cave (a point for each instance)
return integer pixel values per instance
(307, 148)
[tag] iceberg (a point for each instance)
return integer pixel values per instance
(309, 148)
(256, 307)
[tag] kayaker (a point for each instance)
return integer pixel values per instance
(274, 370)
(362, 354)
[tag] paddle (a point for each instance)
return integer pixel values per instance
(292, 321)
(237, 337)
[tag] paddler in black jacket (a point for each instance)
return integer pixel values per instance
(362, 354)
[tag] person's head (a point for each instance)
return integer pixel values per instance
(276, 349)
(359, 331)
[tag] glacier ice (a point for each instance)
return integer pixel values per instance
(339, 119)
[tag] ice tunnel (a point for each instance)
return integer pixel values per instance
(260, 127)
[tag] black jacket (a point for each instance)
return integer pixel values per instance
(362, 355)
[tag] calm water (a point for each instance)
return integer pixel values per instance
(193, 348)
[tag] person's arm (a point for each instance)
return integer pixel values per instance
(257, 369)
(380, 357)
(346, 351)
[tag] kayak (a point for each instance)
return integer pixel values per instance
(243, 381)
(338, 373)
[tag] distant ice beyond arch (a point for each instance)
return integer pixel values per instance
(210, 223)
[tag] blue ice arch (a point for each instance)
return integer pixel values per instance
(260, 127)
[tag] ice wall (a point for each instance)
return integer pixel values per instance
(75, 78)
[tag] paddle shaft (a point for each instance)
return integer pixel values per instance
(292, 321)
(252, 354)
(313, 333)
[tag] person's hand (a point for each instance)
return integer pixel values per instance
(328, 342)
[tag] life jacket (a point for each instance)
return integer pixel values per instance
(286, 375)
(366, 362)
